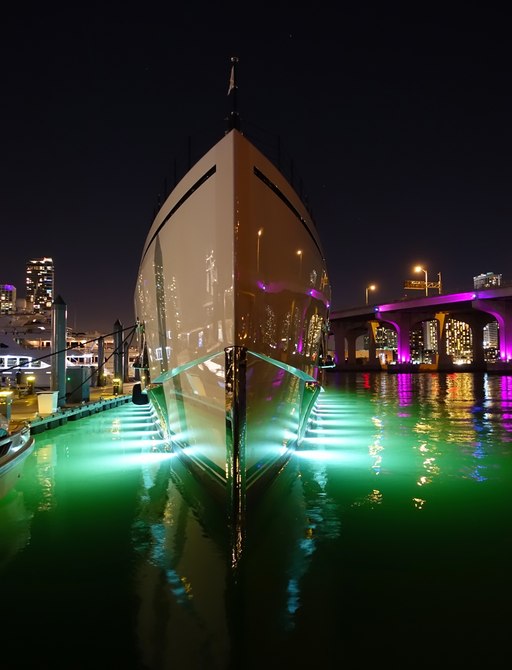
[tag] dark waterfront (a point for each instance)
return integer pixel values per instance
(386, 539)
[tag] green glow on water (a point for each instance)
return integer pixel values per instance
(387, 536)
(320, 454)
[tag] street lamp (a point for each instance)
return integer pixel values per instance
(418, 268)
(299, 254)
(372, 287)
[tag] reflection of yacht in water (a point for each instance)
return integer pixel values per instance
(232, 298)
(182, 572)
(186, 581)
(15, 521)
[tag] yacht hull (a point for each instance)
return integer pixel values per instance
(233, 300)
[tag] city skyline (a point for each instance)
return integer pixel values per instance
(397, 124)
(21, 303)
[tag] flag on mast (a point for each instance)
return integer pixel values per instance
(231, 79)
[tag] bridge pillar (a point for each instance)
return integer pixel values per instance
(372, 346)
(477, 321)
(338, 330)
(351, 348)
(373, 361)
(345, 340)
(444, 360)
(401, 321)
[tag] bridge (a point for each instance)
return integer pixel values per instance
(477, 308)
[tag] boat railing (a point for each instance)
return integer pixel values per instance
(190, 149)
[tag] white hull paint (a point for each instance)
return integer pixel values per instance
(15, 447)
(233, 300)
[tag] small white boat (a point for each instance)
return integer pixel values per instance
(16, 444)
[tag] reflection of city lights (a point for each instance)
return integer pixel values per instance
(419, 503)
(375, 497)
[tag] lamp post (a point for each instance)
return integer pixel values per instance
(372, 287)
(418, 268)
(299, 254)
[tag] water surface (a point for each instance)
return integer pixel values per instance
(386, 539)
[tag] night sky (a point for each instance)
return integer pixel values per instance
(399, 125)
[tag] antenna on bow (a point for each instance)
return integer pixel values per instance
(233, 118)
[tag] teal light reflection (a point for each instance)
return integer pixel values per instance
(141, 458)
(320, 455)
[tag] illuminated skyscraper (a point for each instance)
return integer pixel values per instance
(40, 284)
(459, 340)
(430, 334)
(491, 335)
(7, 298)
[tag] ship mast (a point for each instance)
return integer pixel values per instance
(234, 118)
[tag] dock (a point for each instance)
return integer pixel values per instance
(25, 408)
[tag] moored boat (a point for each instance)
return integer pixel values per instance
(17, 361)
(21, 366)
(232, 298)
(16, 444)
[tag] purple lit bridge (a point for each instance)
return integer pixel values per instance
(477, 308)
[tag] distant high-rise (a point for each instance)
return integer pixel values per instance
(7, 299)
(40, 284)
(459, 340)
(430, 338)
(487, 280)
(491, 335)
